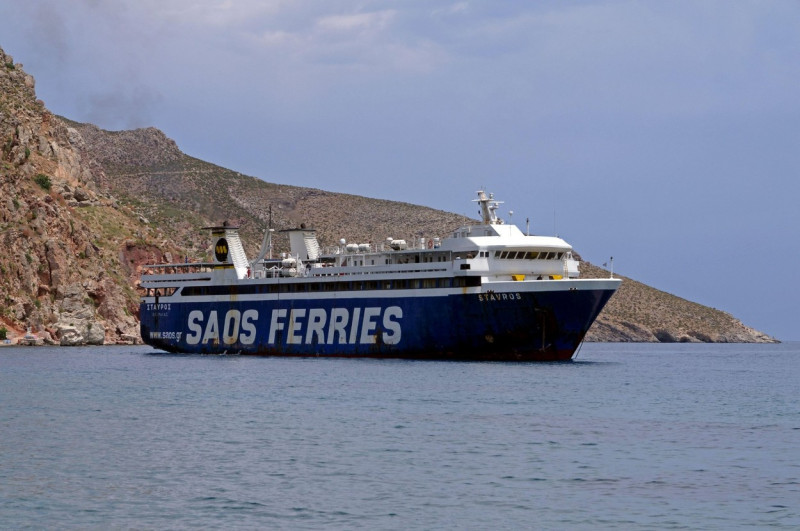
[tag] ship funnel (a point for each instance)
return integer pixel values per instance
(228, 249)
(303, 243)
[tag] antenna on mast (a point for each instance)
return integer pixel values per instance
(555, 231)
(605, 264)
(270, 227)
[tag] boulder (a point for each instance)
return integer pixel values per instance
(81, 195)
(69, 335)
(74, 305)
(95, 333)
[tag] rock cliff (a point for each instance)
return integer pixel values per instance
(66, 239)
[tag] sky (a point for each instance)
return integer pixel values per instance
(664, 134)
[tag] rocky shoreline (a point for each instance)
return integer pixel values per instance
(65, 336)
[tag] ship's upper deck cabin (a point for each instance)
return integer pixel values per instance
(489, 249)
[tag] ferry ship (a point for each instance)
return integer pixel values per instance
(487, 292)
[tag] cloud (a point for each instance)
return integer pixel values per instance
(124, 107)
(451, 9)
(637, 59)
(51, 33)
(230, 14)
(358, 22)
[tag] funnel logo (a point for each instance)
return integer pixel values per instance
(221, 250)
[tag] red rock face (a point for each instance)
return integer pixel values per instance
(133, 256)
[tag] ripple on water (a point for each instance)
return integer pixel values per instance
(630, 436)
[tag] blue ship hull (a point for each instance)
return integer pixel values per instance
(518, 325)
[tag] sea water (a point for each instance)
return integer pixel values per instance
(635, 436)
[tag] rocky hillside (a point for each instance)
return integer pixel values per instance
(640, 313)
(84, 208)
(179, 193)
(66, 270)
